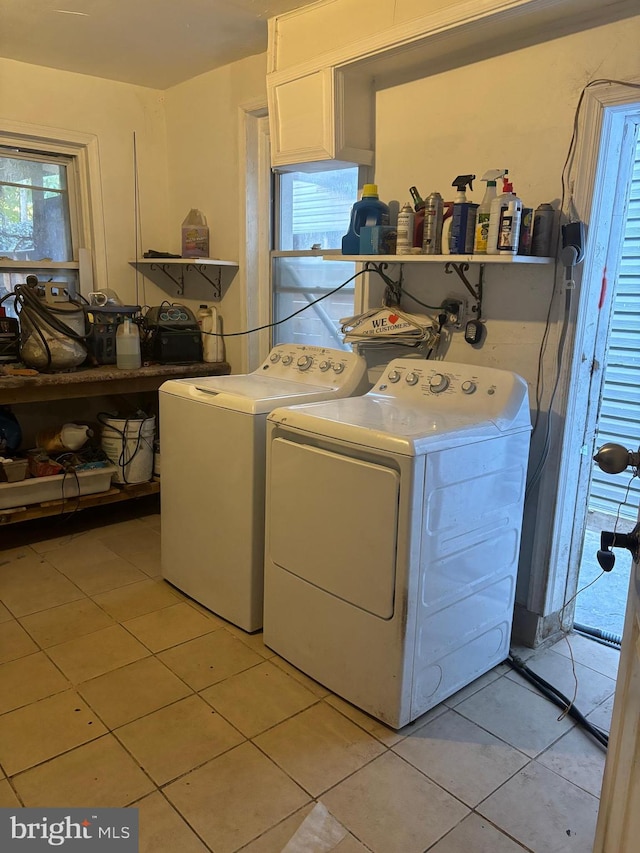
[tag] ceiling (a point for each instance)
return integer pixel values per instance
(155, 43)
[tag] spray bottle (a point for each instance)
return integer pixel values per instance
(463, 218)
(484, 210)
(498, 205)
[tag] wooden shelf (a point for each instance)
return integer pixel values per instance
(63, 507)
(100, 381)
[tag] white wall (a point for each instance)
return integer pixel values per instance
(204, 123)
(514, 111)
(112, 111)
(188, 147)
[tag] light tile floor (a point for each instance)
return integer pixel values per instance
(117, 690)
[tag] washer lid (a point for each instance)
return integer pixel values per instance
(417, 406)
(247, 392)
(384, 423)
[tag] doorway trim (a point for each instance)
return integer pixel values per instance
(603, 131)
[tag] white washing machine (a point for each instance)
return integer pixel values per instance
(392, 534)
(212, 434)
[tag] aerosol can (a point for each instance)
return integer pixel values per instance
(433, 219)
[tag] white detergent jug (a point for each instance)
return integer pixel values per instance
(128, 346)
(212, 344)
(67, 437)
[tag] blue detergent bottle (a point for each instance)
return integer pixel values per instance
(368, 211)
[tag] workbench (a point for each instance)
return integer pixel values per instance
(100, 381)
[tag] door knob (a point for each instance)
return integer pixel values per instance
(614, 458)
(609, 539)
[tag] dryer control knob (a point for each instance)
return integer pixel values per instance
(305, 362)
(394, 376)
(324, 365)
(275, 356)
(287, 359)
(438, 382)
(469, 387)
(338, 367)
(412, 378)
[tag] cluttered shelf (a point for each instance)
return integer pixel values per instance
(66, 505)
(97, 381)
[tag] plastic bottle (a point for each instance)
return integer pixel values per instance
(195, 235)
(509, 230)
(67, 437)
(498, 205)
(484, 211)
(128, 346)
(368, 211)
(209, 322)
(404, 242)
(463, 218)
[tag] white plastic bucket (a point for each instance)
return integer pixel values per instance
(128, 442)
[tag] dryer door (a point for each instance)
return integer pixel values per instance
(333, 521)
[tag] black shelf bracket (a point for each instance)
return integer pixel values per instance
(475, 290)
(393, 290)
(177, 280)
(215, 283)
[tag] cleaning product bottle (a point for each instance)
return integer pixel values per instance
(463, 218)
(128, 346)
(509, 229)
(368, 211)
(484, 211)
(498, 204)
(418, 219)
(404, 242)
(195, 235)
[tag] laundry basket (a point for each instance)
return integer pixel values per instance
(128, 442)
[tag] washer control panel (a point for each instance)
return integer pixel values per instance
(315, 365)
(447, 387)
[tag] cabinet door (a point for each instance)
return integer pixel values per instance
(324, 115)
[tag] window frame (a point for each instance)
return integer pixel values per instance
(89, 262)
(276, 199)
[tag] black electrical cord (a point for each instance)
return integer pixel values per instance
(37, 312)
(565, 174)
(123, 462)
(558, 698)
(423, 304)
(295, 313)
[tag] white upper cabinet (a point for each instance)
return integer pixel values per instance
(323, 115)
(326, 60)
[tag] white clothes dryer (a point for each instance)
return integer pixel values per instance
(393, 527)
(212, 438)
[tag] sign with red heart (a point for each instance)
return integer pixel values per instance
(393, 318)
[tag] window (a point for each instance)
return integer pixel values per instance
(38, 222)
(311, 210)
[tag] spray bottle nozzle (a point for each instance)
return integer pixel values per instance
(494, 174)
(463, 181)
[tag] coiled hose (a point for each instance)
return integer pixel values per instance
(37, 312)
